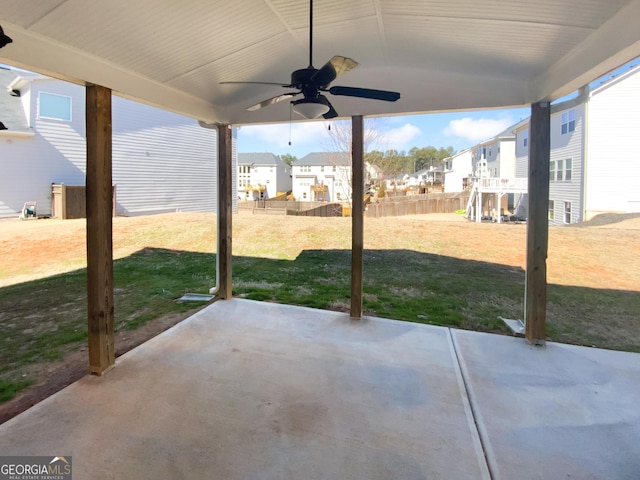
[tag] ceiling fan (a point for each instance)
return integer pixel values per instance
(310, 82)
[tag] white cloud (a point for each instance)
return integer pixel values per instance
(398, 138)
(476, 130)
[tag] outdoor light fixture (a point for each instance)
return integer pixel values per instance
(310, 107)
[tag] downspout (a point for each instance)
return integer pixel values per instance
(216, 287)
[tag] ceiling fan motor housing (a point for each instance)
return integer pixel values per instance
(303, 78)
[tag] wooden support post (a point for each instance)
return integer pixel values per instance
(225, 207)
(538, 224)
(99, 205)
(357, 215)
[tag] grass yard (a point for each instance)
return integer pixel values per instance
(437, 269)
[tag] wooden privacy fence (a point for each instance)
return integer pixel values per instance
(286, 207)
(324, 210)
(417, 204)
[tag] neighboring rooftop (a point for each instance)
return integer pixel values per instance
(325, 158)
(265, 159)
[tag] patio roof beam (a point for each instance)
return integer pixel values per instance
(357, 214)
(225, 194)
(99, 202)
(538, 224)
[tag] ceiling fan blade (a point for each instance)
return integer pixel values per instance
(332, 111)
(255, 83)
(333, 69)
(271, 101)
(365, 93)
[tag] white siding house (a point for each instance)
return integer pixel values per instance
(457, 170)
(595, 153)
(162, 162)
(495, 157)
(495, 185)
(322, 176)
(262, 176)
(612, 175)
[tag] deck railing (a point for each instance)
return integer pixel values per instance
(503, 185)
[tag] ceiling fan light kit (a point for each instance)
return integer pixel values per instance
(309, 108)
(310, 82)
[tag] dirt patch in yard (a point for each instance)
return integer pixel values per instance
(598, 256)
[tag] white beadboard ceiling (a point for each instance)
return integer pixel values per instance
(439, 54)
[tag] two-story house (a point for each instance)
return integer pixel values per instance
(322, 176)
(162, 162)
(458, 172)
(595, 152)
(494, 183)
(262, 176)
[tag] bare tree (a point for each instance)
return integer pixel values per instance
(339, 144)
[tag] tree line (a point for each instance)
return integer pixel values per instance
(394, 162)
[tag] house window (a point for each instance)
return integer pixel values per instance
(338, 196)
(559, 170)
(552, 210)
(525, 138)
(322, 168)
(552, 170)
(567, 169)
(568, 121)
(270, 169)
(304, 195)
(334, 168)
(567, 212)
(268, 181)
(57, 107)
(305, 168)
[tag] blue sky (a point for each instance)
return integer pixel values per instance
(459, 129)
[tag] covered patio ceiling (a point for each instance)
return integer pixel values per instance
(440, 55)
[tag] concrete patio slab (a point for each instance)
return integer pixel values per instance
(252, 390)
(553, 412)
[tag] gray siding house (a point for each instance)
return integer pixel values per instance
(566, 164)
(162, 162)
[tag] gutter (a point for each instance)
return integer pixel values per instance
(583, 95)
(16, 133)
